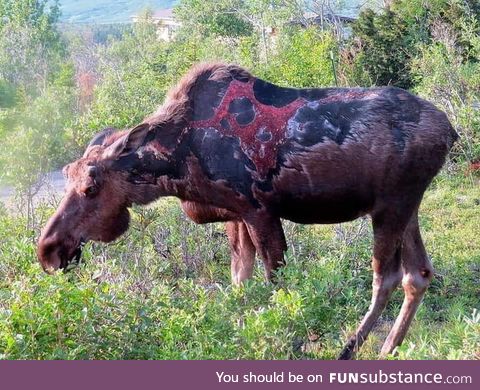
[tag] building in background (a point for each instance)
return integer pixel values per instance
(167, 25)
(165, 22)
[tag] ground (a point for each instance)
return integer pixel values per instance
(163, 290)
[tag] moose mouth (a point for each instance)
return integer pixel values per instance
(75, 259)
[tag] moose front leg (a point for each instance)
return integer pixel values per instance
(267, 235)
(241, 246)
(242, 250)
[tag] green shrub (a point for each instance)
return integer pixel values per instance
(163, 291)
(302, 58)
(454, 86)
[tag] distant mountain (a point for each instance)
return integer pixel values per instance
(107, 11)
(120, 11)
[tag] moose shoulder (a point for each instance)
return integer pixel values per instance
(237, 149)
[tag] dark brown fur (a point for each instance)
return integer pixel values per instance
(220, 144)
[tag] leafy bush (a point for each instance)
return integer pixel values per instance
(444, 78)
(302, 59)
(384, 42)
(382, 48)
(163, 291)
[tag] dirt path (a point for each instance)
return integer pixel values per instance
(54, 185)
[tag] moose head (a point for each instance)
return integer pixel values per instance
(98, 193)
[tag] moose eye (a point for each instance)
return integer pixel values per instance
(91, 191)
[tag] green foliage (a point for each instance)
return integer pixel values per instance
(385, 50)
(302, 59)
(31, 53)
(7, 94)
(163, 291)
(33, 13)
(34, 141)
(30, 45)
(444, 78)
(384, 43)
(234, 18)
(218, 18)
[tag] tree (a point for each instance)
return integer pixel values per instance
(385, 42)
(385, 48)
(218, 18)
(30, 45)
(235, 18)
(303, 58)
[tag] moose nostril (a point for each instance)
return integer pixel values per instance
(48, 255)
(46, 249)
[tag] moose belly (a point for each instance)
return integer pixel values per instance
(323, 209)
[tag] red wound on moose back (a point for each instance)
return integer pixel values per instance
(260, 132)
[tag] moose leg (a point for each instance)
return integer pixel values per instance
(242, 249)
(417, 274)
(386, 276)
(267, 235)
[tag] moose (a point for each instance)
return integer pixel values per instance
(237, 149)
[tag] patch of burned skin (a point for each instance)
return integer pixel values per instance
(222, 158)
(264, 116)
(317, 121)
(233, 117)
(243, 141)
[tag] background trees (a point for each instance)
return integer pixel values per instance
(60, 86)
(36, 92)
(30, 45)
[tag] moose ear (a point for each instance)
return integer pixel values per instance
(99, 138)
(127, 144)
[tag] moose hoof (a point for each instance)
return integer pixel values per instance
(348, 351)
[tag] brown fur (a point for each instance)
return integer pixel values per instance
(177, 106)
(392, 147)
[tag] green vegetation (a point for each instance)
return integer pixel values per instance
(163, 290)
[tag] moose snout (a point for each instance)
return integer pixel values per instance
(58, 251)
(48, 253)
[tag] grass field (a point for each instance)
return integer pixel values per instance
(163, 291)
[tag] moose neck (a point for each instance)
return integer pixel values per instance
(150, 174)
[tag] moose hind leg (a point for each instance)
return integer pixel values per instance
(386, 277)
(417, 274)
(242, 250)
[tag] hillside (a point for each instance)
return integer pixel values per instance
(111, 11)
(107, 11)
